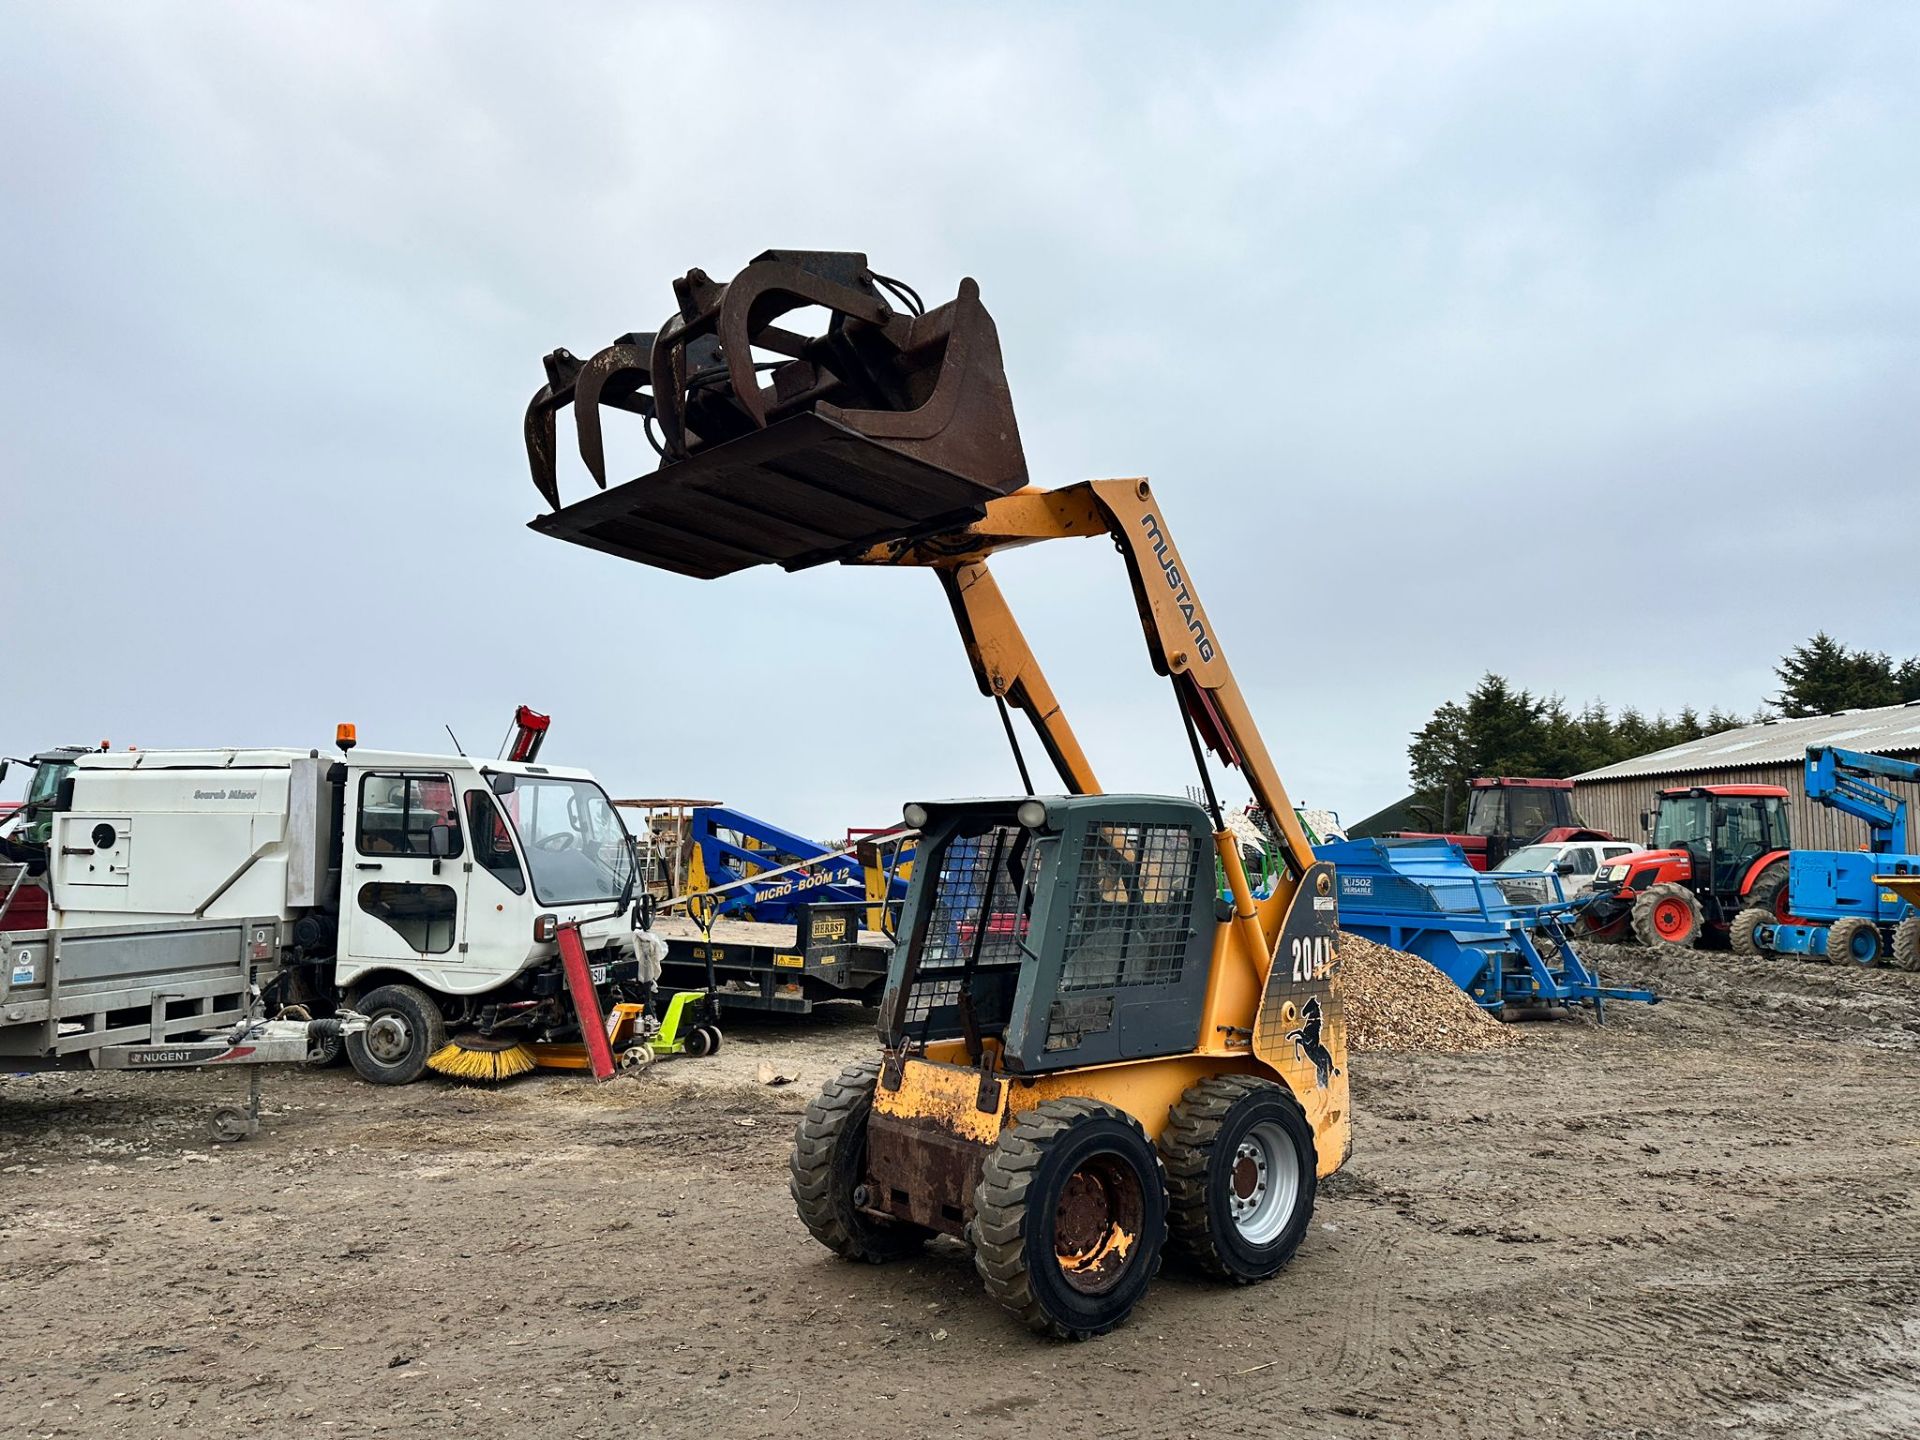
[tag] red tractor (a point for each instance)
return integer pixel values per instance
(1716, 849)
(1505, 812)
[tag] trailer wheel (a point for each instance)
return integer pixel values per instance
(1241, 1170)
(1855, 938)
(1906, 943)
(1667, 917)
(829, 1163)
(1070, 1217)
(1740, 936)
(404, 1027)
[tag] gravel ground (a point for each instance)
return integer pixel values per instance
(1699, 1220)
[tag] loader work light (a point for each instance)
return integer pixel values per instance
(915, 815)
(1032, 814)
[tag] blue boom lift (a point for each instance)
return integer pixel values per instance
(1422, 896)
(1840, 909)
(731, 847)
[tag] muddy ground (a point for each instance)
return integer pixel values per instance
(1699, 1221)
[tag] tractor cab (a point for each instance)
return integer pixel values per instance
(1722, 830)
(1505, 813)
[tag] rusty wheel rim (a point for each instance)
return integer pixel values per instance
(1096, 1225)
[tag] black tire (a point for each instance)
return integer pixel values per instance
(1740, 936)
(1070, 1218)
(1854, 941)
(713, 1038)
(829, 1161)
(1652, 907)
(1223, 1174)
(404, 1027)
(1905, 954)
(1768, 887)
(698, 1042)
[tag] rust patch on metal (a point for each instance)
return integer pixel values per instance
(919, 1171)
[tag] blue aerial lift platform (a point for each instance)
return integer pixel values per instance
(1841, 908)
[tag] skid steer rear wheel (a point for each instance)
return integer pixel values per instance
(1906, 943)
(1070, 1217)
(1854, 940)
(830, 1161)
(1240, 1176)
(1667, 917)
(1740, 936)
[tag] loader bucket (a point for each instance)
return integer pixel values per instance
(784, 448)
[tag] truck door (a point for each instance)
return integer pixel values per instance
(405, 877)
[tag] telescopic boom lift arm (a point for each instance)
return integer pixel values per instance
(1837, 779)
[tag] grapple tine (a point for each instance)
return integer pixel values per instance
(614, 377)
(539, 426)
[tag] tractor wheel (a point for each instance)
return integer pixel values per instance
(1240, 1176)
(1740, 936)
(1667, 917)
(1616, 931)
(1769, 892)
(1855, 939)
(1906, 943)
(829, 1163)
(404, 1027)
(1070, 1217)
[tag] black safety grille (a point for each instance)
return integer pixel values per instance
(1132, 907)
(979, 887)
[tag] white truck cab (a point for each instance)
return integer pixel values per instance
(1578, 863)
(442, 878)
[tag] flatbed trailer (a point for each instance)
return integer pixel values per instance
(167, 996)
(786, 969)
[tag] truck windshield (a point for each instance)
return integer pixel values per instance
(577, 850)
(1530, 858)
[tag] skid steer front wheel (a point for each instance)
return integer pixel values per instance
(1070, 1217)
(830, 1161)
(1240, 1175)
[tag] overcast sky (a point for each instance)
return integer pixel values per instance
(1577, 343)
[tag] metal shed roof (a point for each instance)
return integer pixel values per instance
(1887, 730)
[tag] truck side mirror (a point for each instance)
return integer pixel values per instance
(440, 841)
(1645, 818)
(501, 784)
(63, 797)
(645, 910)
(3, 770)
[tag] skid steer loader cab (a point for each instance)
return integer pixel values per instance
(1078, 940)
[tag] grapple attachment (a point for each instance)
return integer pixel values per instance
(781, 447)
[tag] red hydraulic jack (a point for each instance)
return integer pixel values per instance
(586, 1001)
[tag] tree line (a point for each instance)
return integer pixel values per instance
(1499, 729)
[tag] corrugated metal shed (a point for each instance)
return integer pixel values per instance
(1888, 730)
(1769, 754)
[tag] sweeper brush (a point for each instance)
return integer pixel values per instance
(479, 1060)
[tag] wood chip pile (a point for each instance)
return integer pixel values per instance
(1398, 1002)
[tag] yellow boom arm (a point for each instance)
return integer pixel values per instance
(1181, 642)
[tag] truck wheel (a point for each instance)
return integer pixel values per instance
(1070, 1217)
(404, 1027)
(1740, 936)
(1240, 1176)
(1904, 954)
(829, 1163)
(1667, 917)
(1769, 892)
(1855, 939)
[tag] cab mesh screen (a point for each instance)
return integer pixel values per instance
(979, 888)
(1132, 907)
